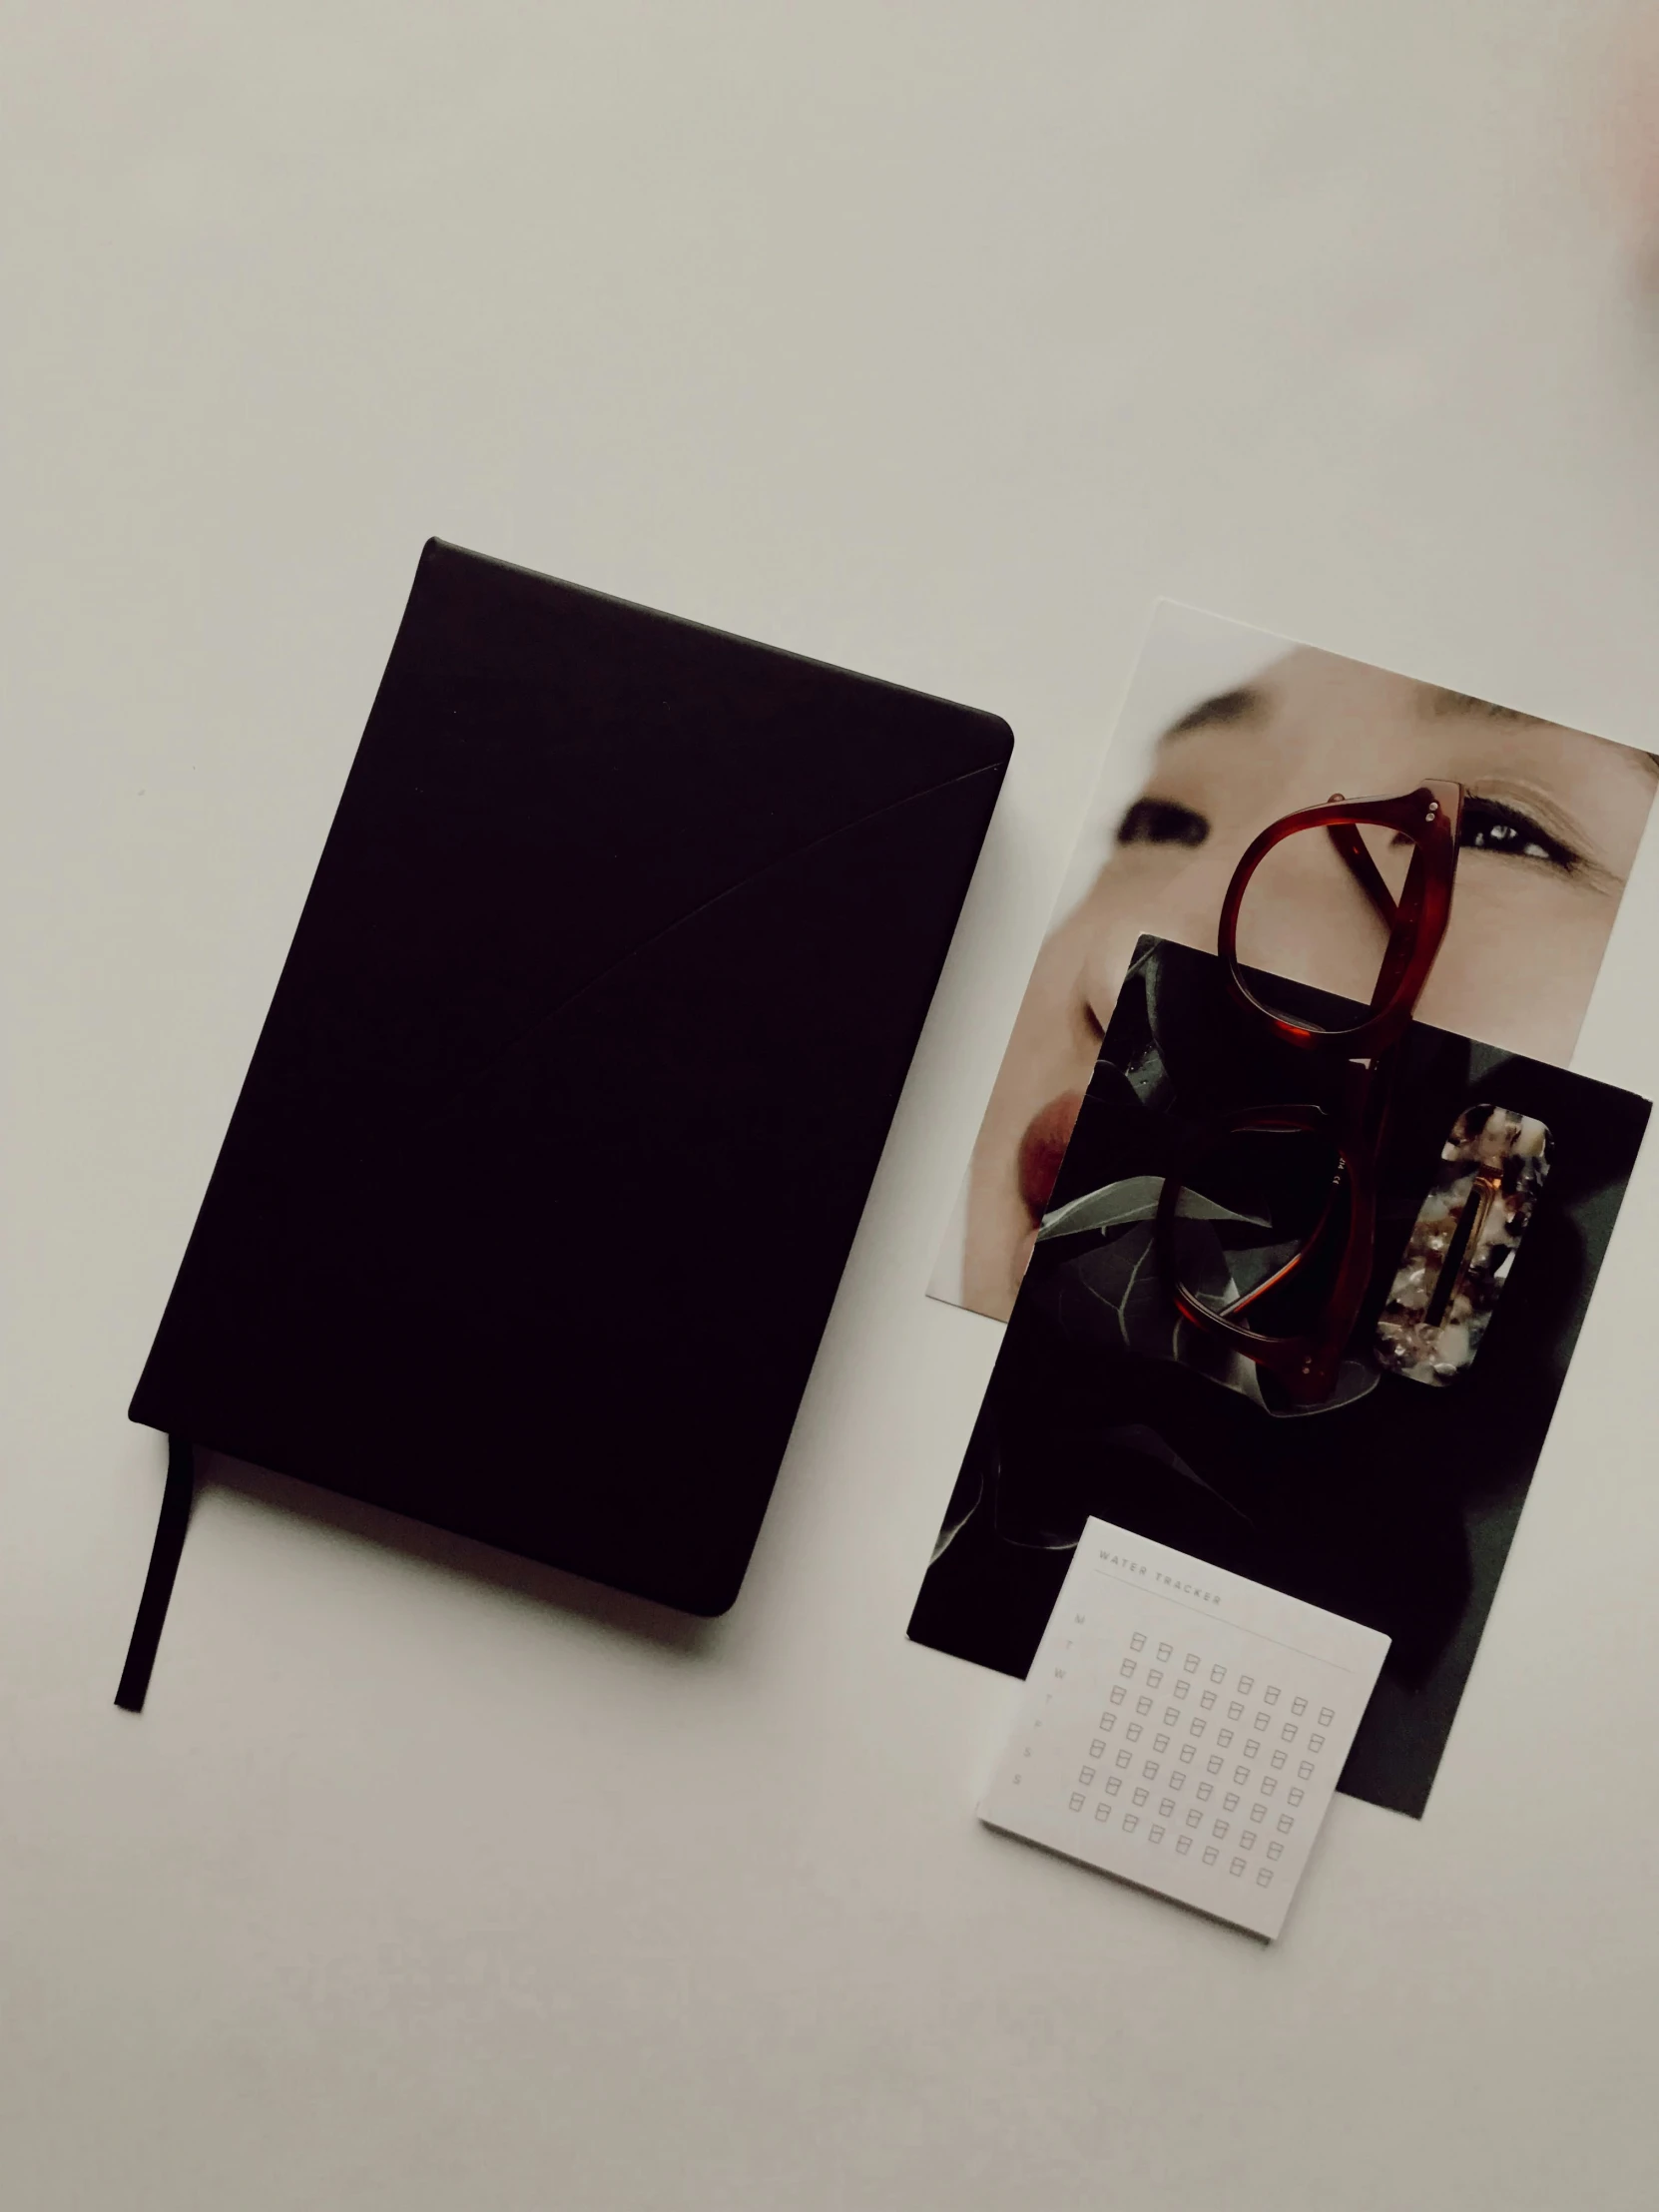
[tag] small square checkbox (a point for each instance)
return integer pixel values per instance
(1267, 1783)
(1172, 1714)
(1166, 1809)
(1097, 1750)
(1285, 1824)
(1210, 1855)
(1288, 1732)
(1150, 1770)
(1306, 1770)
(1253, 1747)
(1295, 1796)
(1190, 1663)
(1247, 1841)
(1141, 1796)
(1197, 1725)
(1155, 1834)
(1077, 1801)
(1299, 1706)
(1241, 1776)
(1225, 1738)
(1114, 1783)
(1183, 1844)
(1137, 1642)
(1208, 1699)
(1127, 1670)
(1212, 1766)
(1258, 1814)
(1204, 1791)
(1278, 1759)
(1103, 1812)
(1328, 1713)
(1124, 1757)
(1234, 1712)
(1229, 1803)
(1131, 1820)
(1276, 1851)
(1238, 1866)
(1160, 1743)
(1264, 1875)
(1134, 1732)
(1195, 1818)
(1176, 1779)
(1218, 1674)
(1189, 1751)
(1181, 1689)
(1270, 1696)
(1315, 1743)
(1119, 1694)
(1166, 1651)
(1219, 1830)
(1143, 1706)
(1260, 1723)
(1154, 1677)
(1086, 1776)
(1247, 1683)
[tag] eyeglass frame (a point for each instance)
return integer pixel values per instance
(1430, 816)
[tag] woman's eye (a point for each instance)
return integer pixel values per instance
(1162, 821)
(1490, 826)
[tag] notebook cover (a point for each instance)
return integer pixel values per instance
(536, 1197)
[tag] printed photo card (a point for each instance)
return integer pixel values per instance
(1301, 1311)
(1224, 729)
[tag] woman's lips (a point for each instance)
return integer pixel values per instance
(1043, 1146)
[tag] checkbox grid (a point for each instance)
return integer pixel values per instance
(1202, 1766)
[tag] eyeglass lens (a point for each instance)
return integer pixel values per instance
(1259, 1229)
(1308, 916)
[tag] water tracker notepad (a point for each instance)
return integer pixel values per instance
(1183, 1727)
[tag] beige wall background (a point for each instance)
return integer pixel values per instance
(939, 341)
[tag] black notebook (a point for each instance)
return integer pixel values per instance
(534, 1202)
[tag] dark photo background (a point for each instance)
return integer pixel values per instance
(1396, 1503)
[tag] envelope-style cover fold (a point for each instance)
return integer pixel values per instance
(534, 1203)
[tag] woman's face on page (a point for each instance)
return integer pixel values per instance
(1551, 823)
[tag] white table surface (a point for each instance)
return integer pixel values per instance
(937, 339)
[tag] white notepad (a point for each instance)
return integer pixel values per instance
(1183, 1727)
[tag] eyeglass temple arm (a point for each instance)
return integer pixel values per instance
(1402, 938)
(1345, 837)
(1400, 919)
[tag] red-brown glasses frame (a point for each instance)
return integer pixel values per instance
(1430, 818)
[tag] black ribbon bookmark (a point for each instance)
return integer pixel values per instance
(177, 1501)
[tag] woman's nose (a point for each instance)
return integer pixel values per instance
(1188, 909)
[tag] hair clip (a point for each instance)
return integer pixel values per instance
(1463, 1244)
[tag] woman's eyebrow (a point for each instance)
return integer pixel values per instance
(1442, 702)
(1246, 704)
